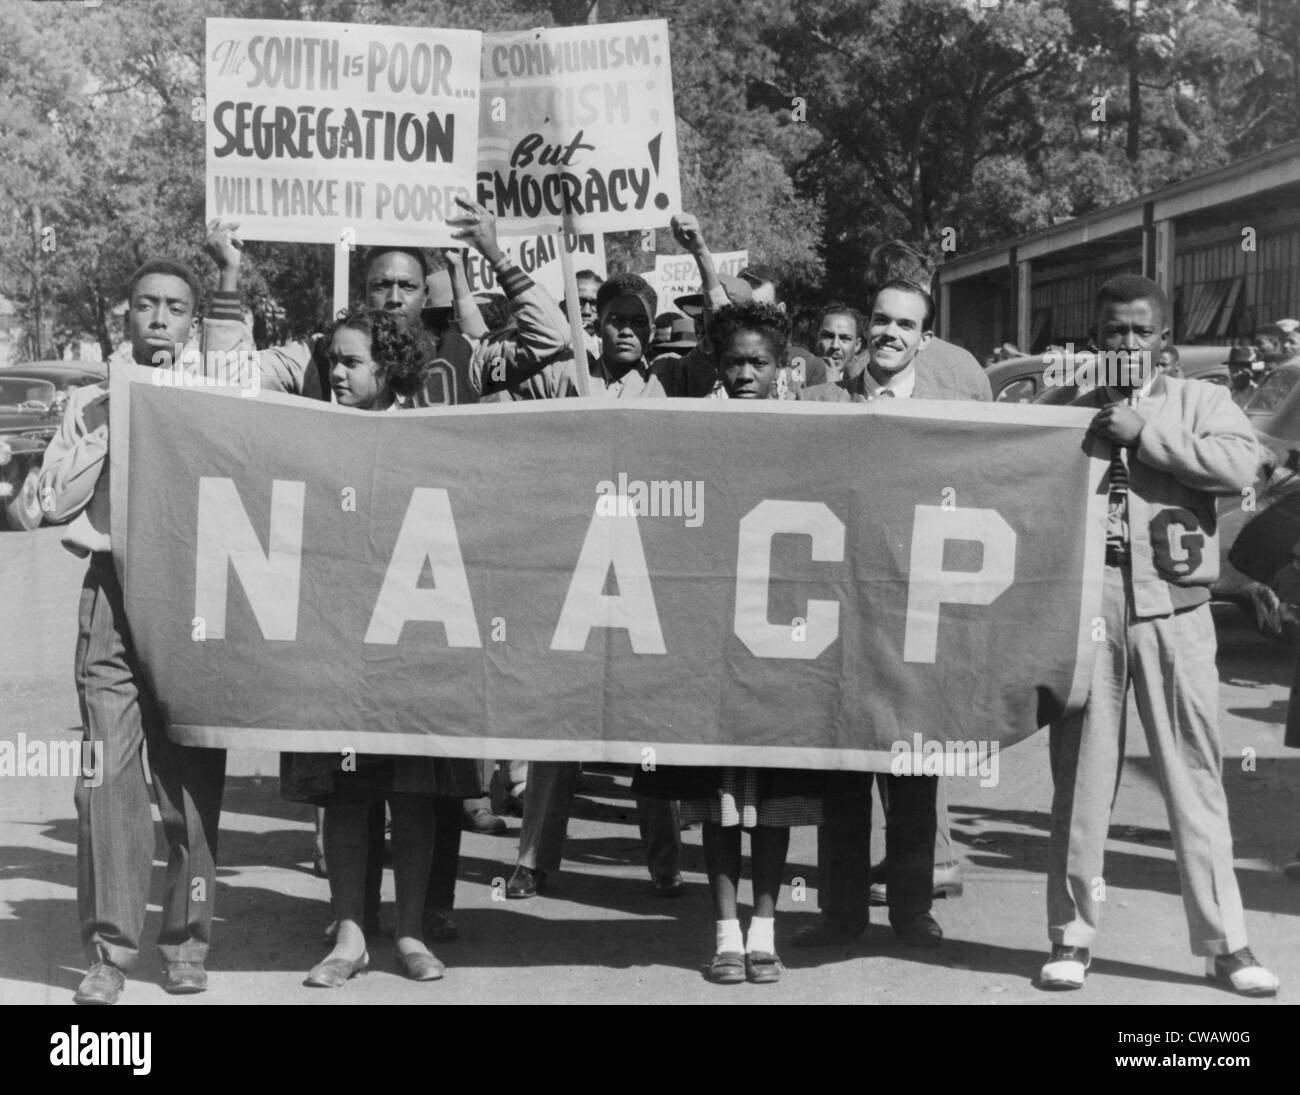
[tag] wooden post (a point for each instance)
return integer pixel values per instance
(341, 256)
(574, 311)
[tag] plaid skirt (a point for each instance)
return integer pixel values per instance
(737, 802)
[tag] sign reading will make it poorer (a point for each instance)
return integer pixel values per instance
(333, 132)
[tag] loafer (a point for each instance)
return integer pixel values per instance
(828, 932)
(439, 927)
(420, 967)
(1241, 972)
(1065, 969)
(947, 882)
(184, 978)
(102, 984)
(762, 968)
(525, 882)
(727, 968)
(333, 973)
(919, 931)
(668, 885)
(483, 820)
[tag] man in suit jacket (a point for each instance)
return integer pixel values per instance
(899, 330)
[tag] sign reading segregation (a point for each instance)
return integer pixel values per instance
(577, 127)
(314, 129)
(313, 577)
(539, 257)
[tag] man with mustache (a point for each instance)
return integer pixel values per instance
(839, 339)
(899, 329)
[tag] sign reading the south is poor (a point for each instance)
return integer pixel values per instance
(577, 125)
(539, 257)
(329, 132)
(679, 275)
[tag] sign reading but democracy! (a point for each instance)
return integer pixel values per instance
(577, 127)
(578, 580)
(329, 132)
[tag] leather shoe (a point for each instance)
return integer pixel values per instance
(183, 978)
(919, 931)
(762, 968)
(668, 885)
(1241, 972)
(1065, 969)
(102, 984)
(417, 966)
(947, 881)
(827, 932)
(336, 972)
(439, 927)
(727, 968)
(483, 820)
(525, 882)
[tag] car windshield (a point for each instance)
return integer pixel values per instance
(17, 390)
(1268, 397)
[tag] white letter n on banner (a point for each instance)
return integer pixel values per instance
(929, 586)
(226, 538)
(754, 574)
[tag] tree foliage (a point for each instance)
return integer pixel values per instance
(808, 130)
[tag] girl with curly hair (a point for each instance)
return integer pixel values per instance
(375, 365)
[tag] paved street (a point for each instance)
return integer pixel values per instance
(601, 934)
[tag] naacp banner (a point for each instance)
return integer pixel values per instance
(340, 133)
(685, 582)
(577, 128)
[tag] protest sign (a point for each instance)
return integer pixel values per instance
(333, 132)
(539, 258)
(583, 580)
(679, 275)
(577, 128)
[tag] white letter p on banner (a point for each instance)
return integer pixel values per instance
(930, 586)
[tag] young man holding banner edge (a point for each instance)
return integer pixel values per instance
(115, 841)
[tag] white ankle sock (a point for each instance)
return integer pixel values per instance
(761, 937)
(729, 938)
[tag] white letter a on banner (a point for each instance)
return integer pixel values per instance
(226, 538)
(428, 532)
(612, 540)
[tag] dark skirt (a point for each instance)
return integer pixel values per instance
(320, 778)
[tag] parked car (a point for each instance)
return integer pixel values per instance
(1023, 379)
(30, 411)
(64, 375)
(1267, 400)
